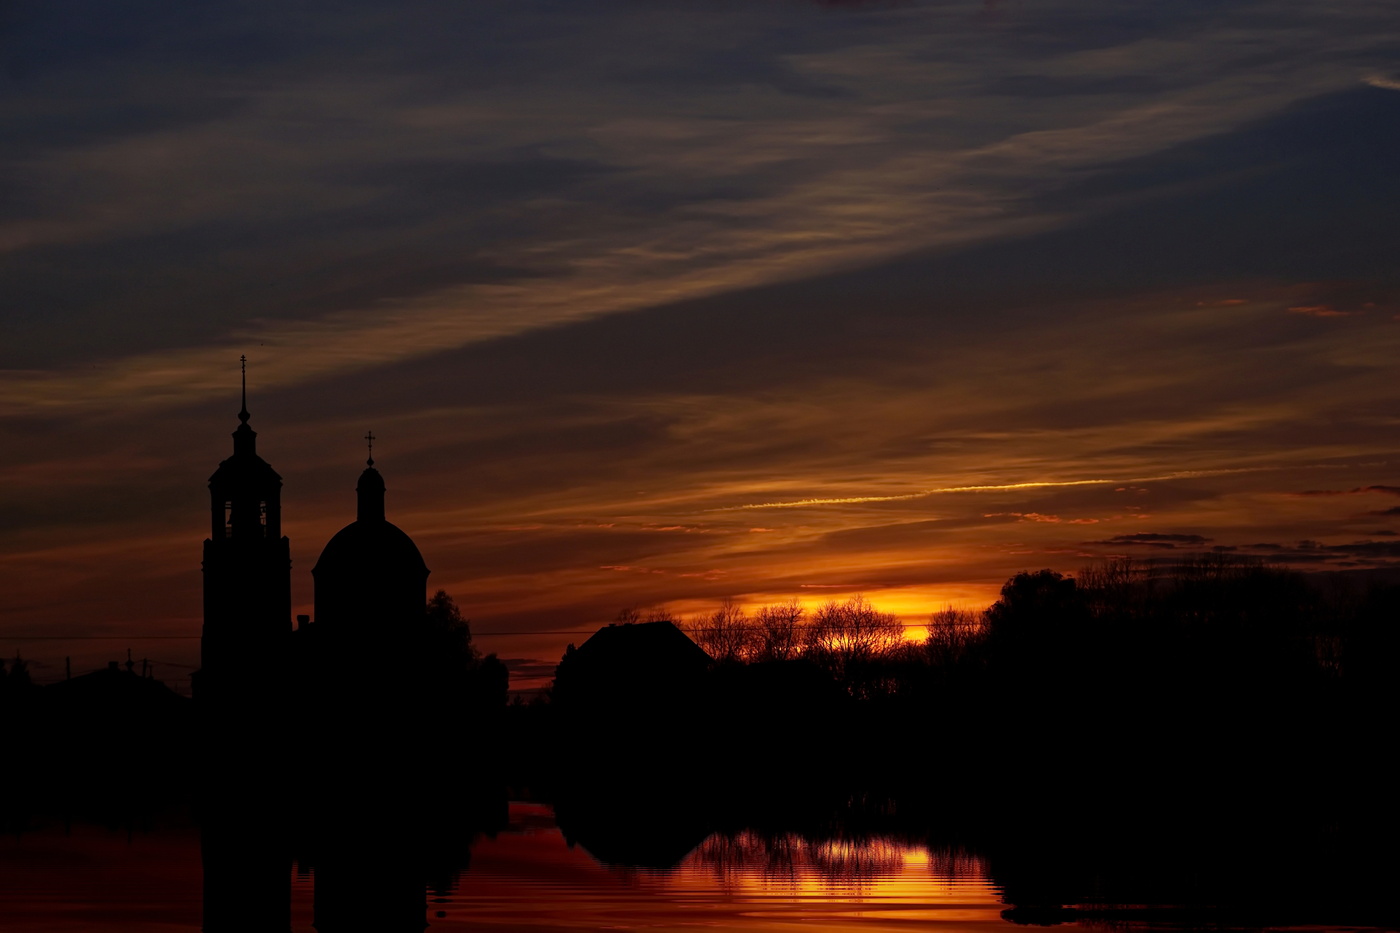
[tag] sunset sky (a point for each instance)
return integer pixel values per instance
(662, 301)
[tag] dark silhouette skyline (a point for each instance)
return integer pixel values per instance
(612, 368)
(373, 743)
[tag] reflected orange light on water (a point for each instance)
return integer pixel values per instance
(744, 882)
(841, 880)
(526, 877)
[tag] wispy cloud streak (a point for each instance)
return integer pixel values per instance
(987, 487)
(819, 154)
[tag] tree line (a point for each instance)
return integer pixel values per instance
(1241, 612)
(837, 634)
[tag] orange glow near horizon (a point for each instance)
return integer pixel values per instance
(534, 538)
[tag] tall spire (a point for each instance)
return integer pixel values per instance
(369, 439)
(243, 412)
(244, 438)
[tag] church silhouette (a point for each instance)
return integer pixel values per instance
(370, 571)
(372, 665)
(364, 741)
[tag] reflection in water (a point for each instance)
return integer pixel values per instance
(531, 878)
(845, 882)
(247, 864)
(525, 876)
(58, 879)
(788, 857)
(372, 853)
(851, 863)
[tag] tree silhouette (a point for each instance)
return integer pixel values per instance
(447, 630)
(953, 635)
(1035, 609)
(726, 634)
(846, 636)
(779, 633)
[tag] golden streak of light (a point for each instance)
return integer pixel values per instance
(990, 487)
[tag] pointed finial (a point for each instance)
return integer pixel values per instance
(369, 439)
(243, 413)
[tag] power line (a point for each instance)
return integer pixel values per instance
(570, 631)
(475, 634)
(567, 631)
(96, 637)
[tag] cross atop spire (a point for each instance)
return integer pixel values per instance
(243, 412)
(369, 439)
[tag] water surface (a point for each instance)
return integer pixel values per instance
(528, 876)
(57, 879)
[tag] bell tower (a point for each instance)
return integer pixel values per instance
(247, 578)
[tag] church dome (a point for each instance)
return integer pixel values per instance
(370, 573)
(371, 548)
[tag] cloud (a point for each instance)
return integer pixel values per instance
(1321, 311)
(1356, 491)
(545, 186)
(1367, 549)
(1039, 517)
(1363, 553)
(1154, 540)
